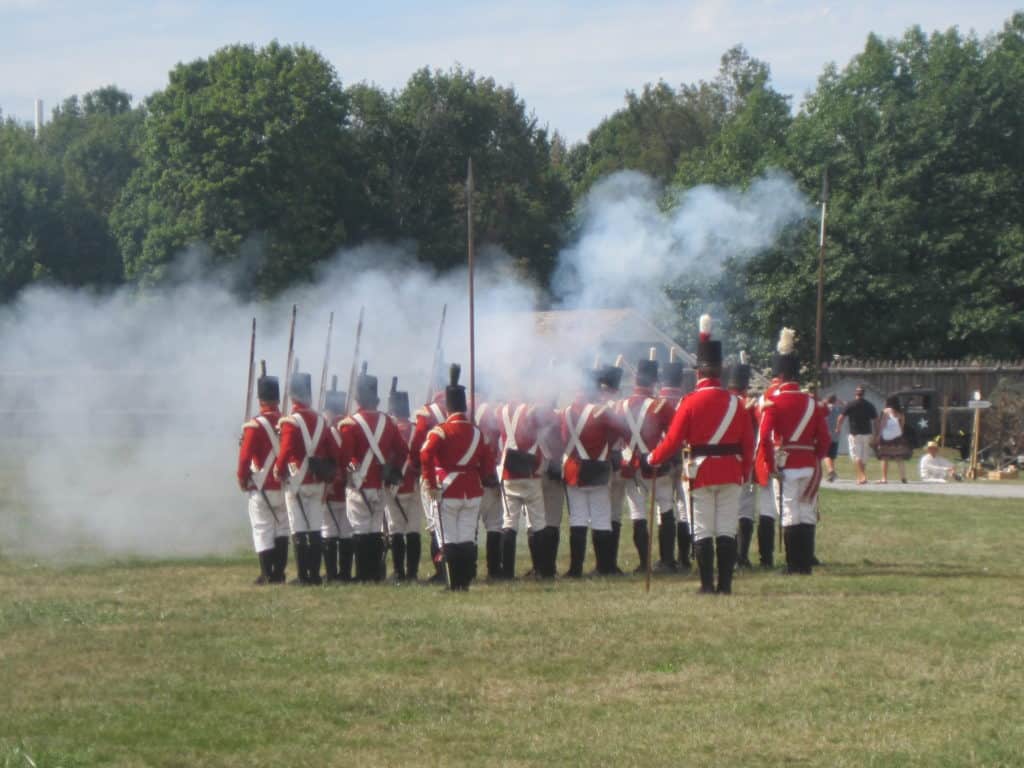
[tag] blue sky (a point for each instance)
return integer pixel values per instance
(570, 61)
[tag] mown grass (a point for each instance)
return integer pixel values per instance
(907, 649)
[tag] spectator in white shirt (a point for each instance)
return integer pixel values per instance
(934, 468)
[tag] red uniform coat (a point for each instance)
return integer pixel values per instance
(652, 428)
(409, 475)
(427, 417)
(356, 446)
(597, 435)
(762, 471)
(528, 428)
(336, 490)
(696, 420)
(673, 394)
(293, 450)
(783, 416)
(255, 450)
(447, 462)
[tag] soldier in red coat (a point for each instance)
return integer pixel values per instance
(712, 422)
(739, 382)
(428, 417)
(486, 418)
(309, 457)
(672, 391)
(589, 429)
(404, 505)
(794, 439)
(767, 487)
(647, 419)
(455, 465)
(553, 450)
(256, 457)
(339, 546)
(373, 452)
(522, 493)
(610, 383)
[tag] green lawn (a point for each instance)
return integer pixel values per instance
(907, 649)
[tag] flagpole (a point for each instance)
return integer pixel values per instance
(472, 308)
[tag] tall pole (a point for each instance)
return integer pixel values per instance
(821, 282)
(472, 312)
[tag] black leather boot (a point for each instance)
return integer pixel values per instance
(376, 564)
(346, 554)
(641, 543)
(666, 543)
(398, 556)
(437, 558)
(546, 552)
(746, 533)
(266, 558)
(806, 548)
(331, 559)
(704, 550)
(577, 551)
(766, 541)
(531, 544)
(315, 554)
(613, 549)
(280, 559)
(725, 547)
(814, 559)
(412, 556)
(508, 554)
(605, 546)
(790, 536)
(454, 565)
(301, 559)
(685, 544)
(493, 555)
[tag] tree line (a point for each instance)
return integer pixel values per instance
(260, 157)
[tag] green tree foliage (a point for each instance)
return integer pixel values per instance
(417, 142)
(248, 145)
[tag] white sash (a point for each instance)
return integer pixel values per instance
(438, 414)
(723, 427)
(463, 462)
(636, 440)
(310, 443)
(259, 474)
(575, 430)
(373, 441)
(804, 421)
(511, 425)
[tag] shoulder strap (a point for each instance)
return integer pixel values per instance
(804, 421)
(716, 438)
(259, 474)
(373, 450)
(636, 424)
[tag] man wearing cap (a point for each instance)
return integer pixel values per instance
(739, 382)
(672, 391)
(712, 422)
(256, 456)
(374, 452)
(794, 439)
(863, 431)
(934, 468)
(589, 429)
(339, 547)
(455, 465)
(646, 419)
(404, 506)
(308, 459)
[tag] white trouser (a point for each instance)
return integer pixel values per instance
(365, 519)
(638, 497)
(748, 501)
(795, 511)
(305, 507)
(682, 510)
(490, 510)
(428, 507)
(716, 511)
(459, 520)
(554, 501)
(524, 498)
(268, 522)
(617, 496)
(590, 506)
(412, 505)
(767, 500)
(336, 524)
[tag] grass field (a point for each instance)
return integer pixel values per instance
(907, 649)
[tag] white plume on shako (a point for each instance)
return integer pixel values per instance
(123, 411)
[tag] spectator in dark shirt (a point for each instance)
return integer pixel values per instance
(863, 431)
(833, 407)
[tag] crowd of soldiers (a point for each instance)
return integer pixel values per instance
(346, 490)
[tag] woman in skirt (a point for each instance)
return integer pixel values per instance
(892, 439)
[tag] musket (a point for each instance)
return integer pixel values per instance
(252, 372)
(689, 499)
(401, 509)
(650, 532)
(472, 312)
(440, 529)
(355, 361)
(327, 360)
(288, 365)
(330, 511)
(436, 363)
(266, 500)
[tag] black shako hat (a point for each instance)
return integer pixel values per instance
(739, 374)
(366, 389)
(335, 401)
(268, 390)
(709, 351)
(646, 373)
(398, 402)
(610, 377)
(673, 375)
(455, 393)
(786, 362)
(301, 388)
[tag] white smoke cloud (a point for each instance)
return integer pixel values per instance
(123, 411)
